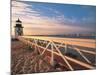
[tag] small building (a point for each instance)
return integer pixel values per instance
(18, 28)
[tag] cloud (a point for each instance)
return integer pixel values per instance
(89, 19)
(20, 9)
(36, 22)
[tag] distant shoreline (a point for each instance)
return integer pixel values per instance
(61, 36)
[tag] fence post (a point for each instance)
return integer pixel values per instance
(65, 48)
(52, 56)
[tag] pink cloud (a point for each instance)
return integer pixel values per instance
(33, 21)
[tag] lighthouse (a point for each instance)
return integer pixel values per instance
(18, 28)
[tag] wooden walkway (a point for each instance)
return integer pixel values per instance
(71, 54)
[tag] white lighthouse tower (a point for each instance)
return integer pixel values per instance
(18, 28)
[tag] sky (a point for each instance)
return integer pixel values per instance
(53, 19)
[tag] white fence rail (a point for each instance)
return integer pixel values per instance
(57, 49)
